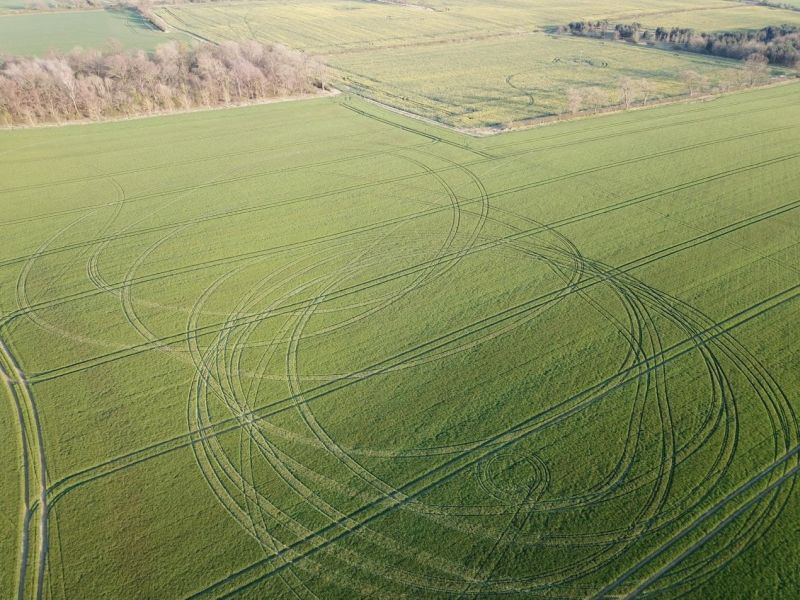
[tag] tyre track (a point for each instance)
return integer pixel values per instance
(212, 329)
(349, 379)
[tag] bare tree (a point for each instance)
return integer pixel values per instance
(92, 84)
(755, 66)
(627, 91)
(63, 76)
(693, 81)
(574, 100)
(646, 89)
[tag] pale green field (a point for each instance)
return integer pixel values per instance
(341, 26)
(11, 5)
(37, 33)
(471, 64)
(513, 78)
(329, 27)
(729, 18)
(701, 15)
(317, 349)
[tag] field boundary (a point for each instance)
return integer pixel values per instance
(485, 132)
(34, 472)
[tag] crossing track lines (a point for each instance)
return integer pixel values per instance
(277, 404)
(648, 259)
(483, 198)
(422, 214)
(225, 387)
(425, 482)
(408, 271)
(34, 473)
(662, 479)
(431, 136)
(651, 520)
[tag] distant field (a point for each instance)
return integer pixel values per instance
(36, 33)
(501, 80)
(341, 26)
(317, 349)
(472, 64)
(331, 27)
(730, 18)
(11, 5)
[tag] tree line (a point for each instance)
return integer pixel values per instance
(97, 84)
(779, 45)
(770, 4)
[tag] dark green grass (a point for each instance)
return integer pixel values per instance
(317, 348)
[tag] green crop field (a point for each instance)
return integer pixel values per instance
(340, 26)
(513, 78)
(732, 17)
(37, 33)
(317, 349)
(11, 5)
(474, 64)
